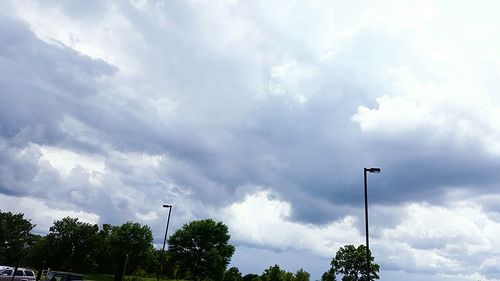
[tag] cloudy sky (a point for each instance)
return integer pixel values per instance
(262, 114)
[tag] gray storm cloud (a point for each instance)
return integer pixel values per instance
(121, 106)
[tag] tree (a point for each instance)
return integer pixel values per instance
(15, 237)
(72, 245)
(251, 277)
(302, 275)
(275, 273)
(233, 274)
(202, 249)
(104, 260)
(288, 276)
(329, 276)
(130, 242)
(169, 269)
(37, 254)
(350, 262)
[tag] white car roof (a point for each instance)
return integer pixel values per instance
(10, 267)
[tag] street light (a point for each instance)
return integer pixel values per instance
(375, 171)
(164, 239)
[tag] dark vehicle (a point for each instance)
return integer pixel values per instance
(22, 274)
(64, 276)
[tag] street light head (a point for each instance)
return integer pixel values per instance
(374, 170)
(167, 206)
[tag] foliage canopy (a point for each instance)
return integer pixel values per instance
(350, 262)
(202, 249)
(15, 237)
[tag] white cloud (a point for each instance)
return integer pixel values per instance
(454, 109)
(446, 240)
(65, 160)
(262, 220)
(429, 239)
(99, 36)
(43, 213)
(440, 227)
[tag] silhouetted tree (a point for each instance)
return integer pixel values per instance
(202, 249)
(302, 275)
(350, 262)
(133, 240)
(251, 277)
(72, 245)
(37, 254)
(233, 274)
(289, 276)
(103, 257)
(329, 275)
(275, 273)
(15, 237)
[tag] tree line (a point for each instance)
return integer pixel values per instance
(200, 250)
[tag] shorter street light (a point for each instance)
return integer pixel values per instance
(375, 171)
(164, 240)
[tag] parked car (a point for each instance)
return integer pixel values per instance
(22, 274)
(64, 276)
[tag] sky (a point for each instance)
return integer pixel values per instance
(262, 115)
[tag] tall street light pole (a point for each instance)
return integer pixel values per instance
(368, 170)
(164, 240)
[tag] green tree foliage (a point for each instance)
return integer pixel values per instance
(15, 237)
(289, 276)
(81, 247)
(350, 262)
(131, 242)
(170, 268)
(329, 276)
(233, 274)
(302, 275)
(275, 273)
(72, 245)
(37, 252)
(251, 277)
(202, 249)
(103, 258)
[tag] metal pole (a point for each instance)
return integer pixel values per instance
(125, 267)
(164, 240)
(15, 270)
(366, 228)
